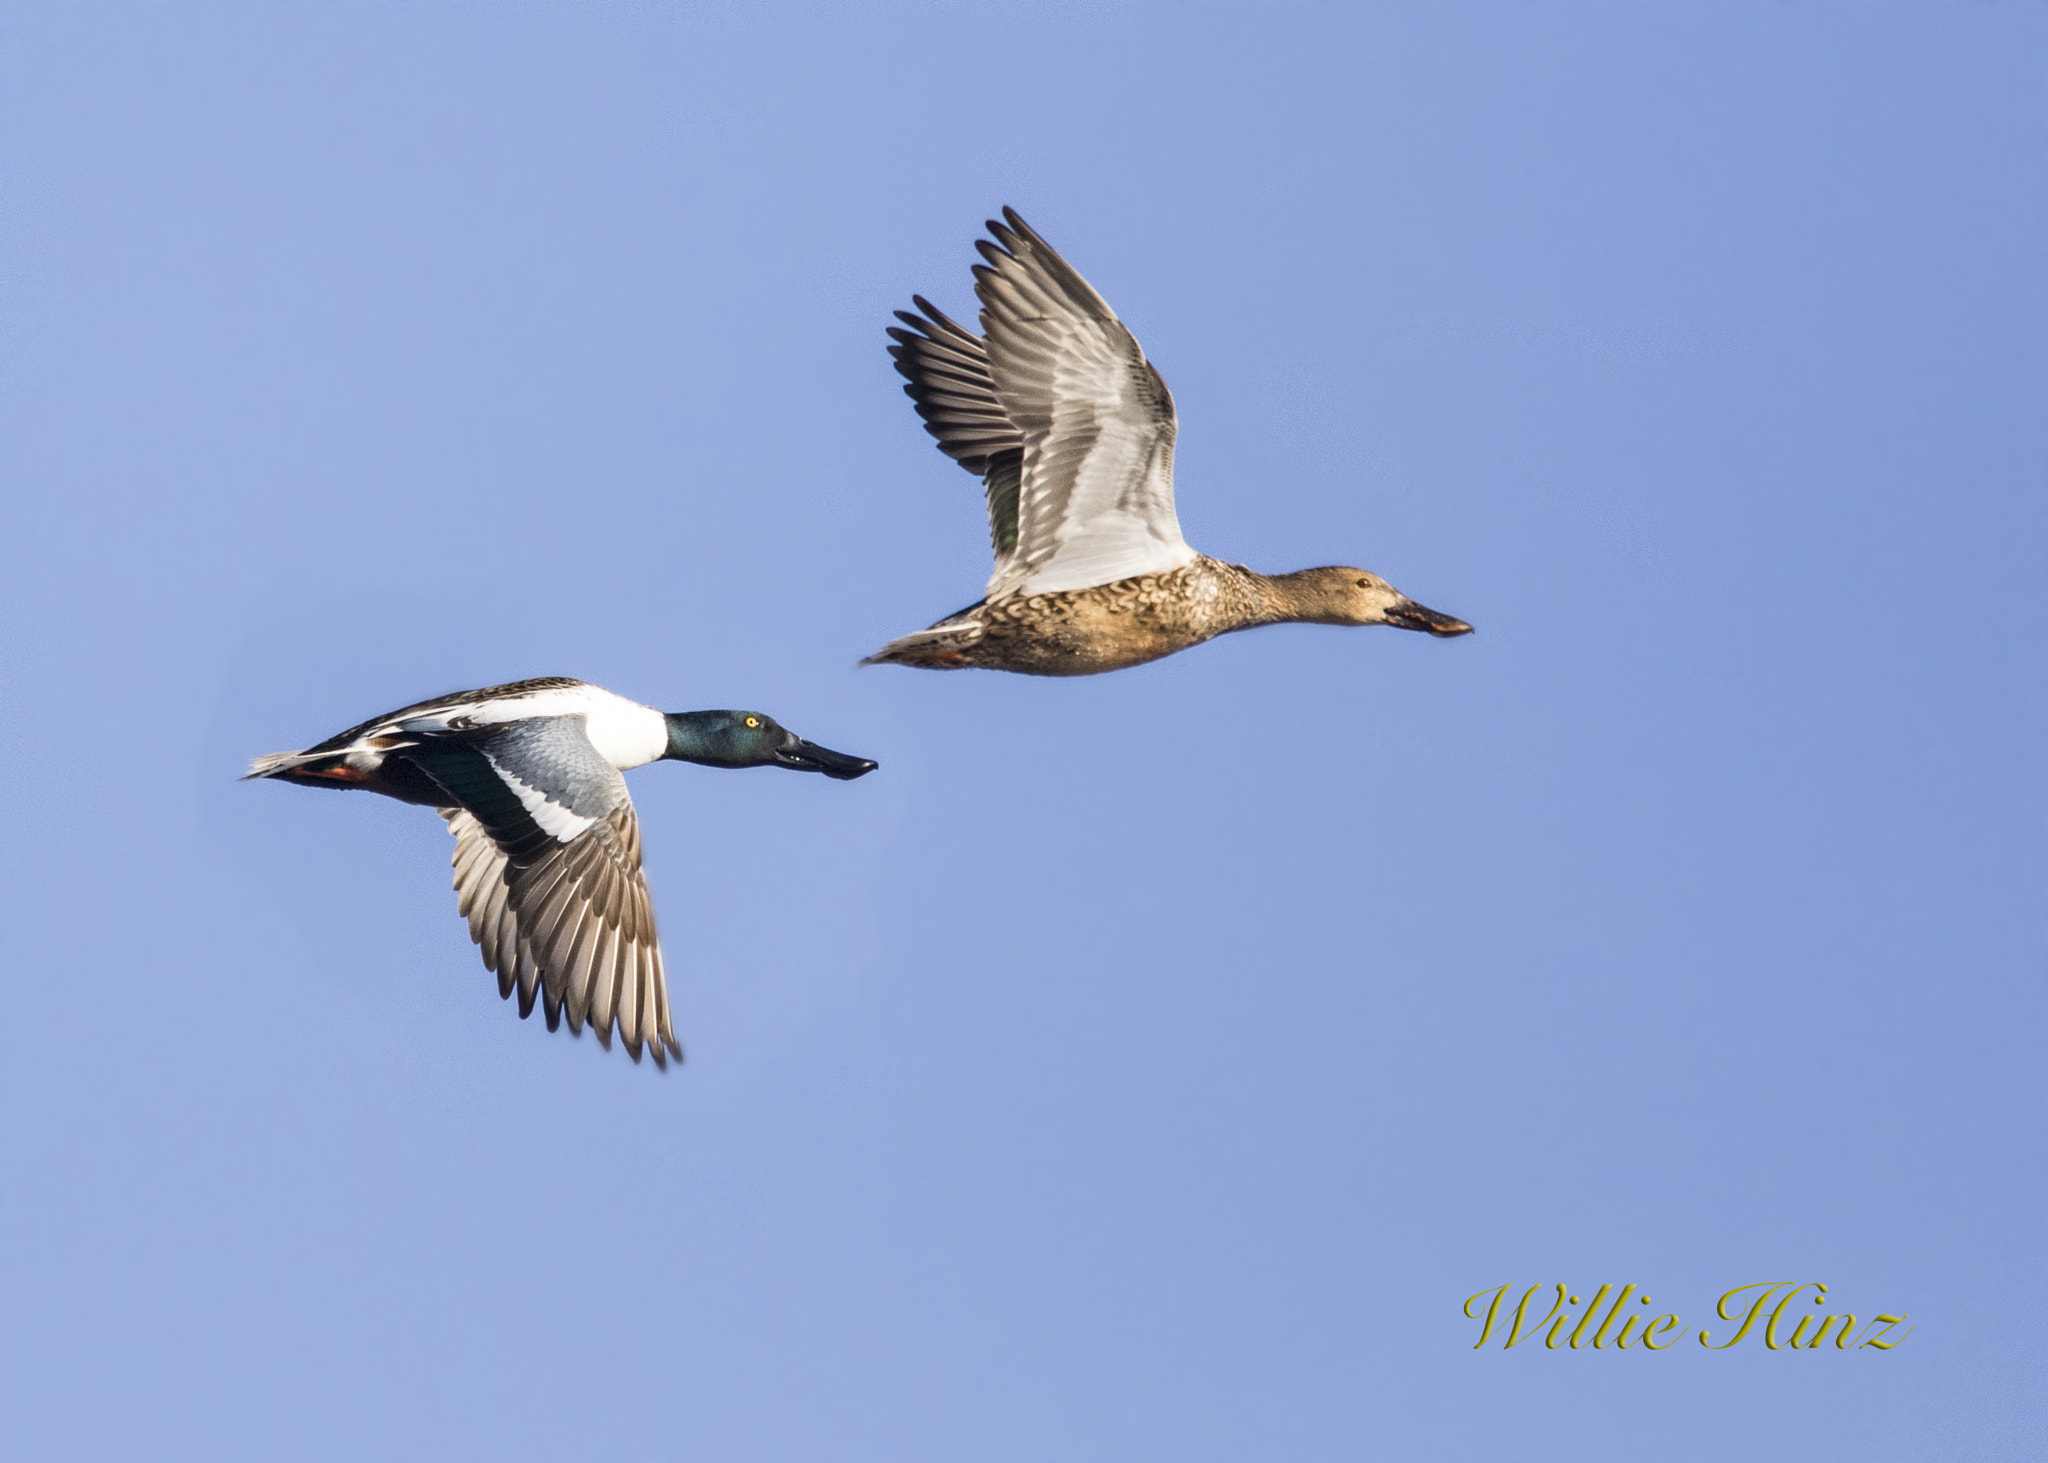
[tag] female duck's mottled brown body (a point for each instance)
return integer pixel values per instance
(1078, 632)
(1108, 627)
(1072, 431)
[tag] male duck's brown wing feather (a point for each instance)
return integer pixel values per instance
(547, 871)
(575, 929)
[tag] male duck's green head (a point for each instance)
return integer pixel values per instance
(750, 739)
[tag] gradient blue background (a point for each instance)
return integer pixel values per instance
(1139, 1067)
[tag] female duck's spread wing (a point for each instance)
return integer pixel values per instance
(948, 374)
(547, 871)
(1096, 499)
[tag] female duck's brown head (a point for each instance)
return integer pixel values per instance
(1342, 596)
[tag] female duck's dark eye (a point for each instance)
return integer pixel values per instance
(1365, 584)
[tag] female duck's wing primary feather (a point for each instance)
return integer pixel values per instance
(1095, 503)
(948, 374)
(547, 871)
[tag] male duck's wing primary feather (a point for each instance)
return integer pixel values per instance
(1095, 503)
(589, 950)
(949, 381)
(547, 871)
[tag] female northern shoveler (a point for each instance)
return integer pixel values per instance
(1071, 430)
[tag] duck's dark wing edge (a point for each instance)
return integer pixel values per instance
(947, 371)
(568, 923)
(453, 698)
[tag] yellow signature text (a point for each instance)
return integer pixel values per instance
(1760, 1309)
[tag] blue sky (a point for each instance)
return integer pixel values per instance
(1146, 1066)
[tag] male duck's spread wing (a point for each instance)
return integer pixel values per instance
(547, 870)
(948, 374)
(1096, 499)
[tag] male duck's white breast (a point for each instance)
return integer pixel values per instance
(625, 733)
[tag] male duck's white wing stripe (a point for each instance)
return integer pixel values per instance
(556, 820)
(1096, 501)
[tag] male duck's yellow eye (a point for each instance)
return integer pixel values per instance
(753, 721)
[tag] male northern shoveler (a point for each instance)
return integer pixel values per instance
(547, 849)
(1071, 430)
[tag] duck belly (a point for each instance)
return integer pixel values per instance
(1086, 632)
(361, 769)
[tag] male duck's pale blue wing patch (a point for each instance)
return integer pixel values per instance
(547, 871)
(1096, 499)
(948, 374)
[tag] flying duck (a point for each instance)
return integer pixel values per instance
(547, 849)
(1055, 408)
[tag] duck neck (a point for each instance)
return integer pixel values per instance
(702, 737)
(1307, 596)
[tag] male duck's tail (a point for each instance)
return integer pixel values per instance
(273, 763)
(314, 769)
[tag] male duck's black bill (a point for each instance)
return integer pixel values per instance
(803, 756)
(1411, 616)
